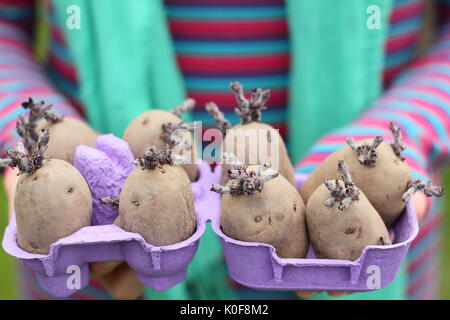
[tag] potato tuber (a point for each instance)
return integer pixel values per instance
(378, 169)
(65, 133)
(258, 205)
(341, 221)
(156, 200)
(158, 128)
(52, 200)
(251, 140)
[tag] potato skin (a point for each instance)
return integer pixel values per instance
(336, 234)
(276, 216)
(65, 136)
(383, 184)
(52, 203)
(159, 206)
(146, 131)
(285, 167)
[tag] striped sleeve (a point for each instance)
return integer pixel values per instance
(20, 75)
(419, 101)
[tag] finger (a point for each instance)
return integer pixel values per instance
(122, 283)
(99, 269)
(420, 204)
(336, 294)
(306, 294)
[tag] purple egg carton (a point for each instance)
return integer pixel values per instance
(255, 265)
(105, 169)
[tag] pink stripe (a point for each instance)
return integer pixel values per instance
(440, 76)
(425, 230)
(24, 77)
(14, 42)
(13, 67)
(428, 131)
(401, 41)
(406, 11)
(9, 108)
(312, 158)
(438, 57)
(423, 87)
(339, 138)
(438, 111)
(57, 35)
(429, 107)
(370, 120)
(427, 274)
(389, 74)
(11, 25)
(67, 70)
(385, 123)
(24, 95)
(443, 157)
(5, 133)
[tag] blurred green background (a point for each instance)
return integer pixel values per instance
(8, 277)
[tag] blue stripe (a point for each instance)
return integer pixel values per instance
(246, 47)
(21, 74)
(306, 169)
(269, 116)
(7, 100)
(417, 175)
(13, 115)
(14, 59)
(12, 13)
(199, 12)
(442, 44)
(436, 67)
(222, 84)
(430, 98)
(435, 122)
(61, 52)
(399, 3)
(355, 130)
(326, 148)
(424, 244)
(405, 26)
(416, 73)
(63, 83)
(399, 57)
(16, 86)
(429, 80)
(10, 32)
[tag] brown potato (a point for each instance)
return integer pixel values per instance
(343, 234)
(158, 204)
(284, 166)
(251, 140)
(65, 136)
(147, 130)
(51, 203)
(274, 216)
(383, 184)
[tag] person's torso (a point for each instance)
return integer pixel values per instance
(221, 41)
